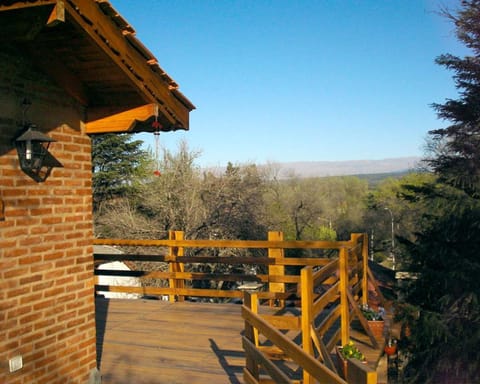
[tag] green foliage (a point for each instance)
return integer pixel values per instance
(455, 149)
(445, 336)
(444, 255)
(371, 314)
(351, 351)
(400, 195)
(316, 208)
(118, 165)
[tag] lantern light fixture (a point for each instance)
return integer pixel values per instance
(32, 149)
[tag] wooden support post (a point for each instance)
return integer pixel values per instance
(253, 305)
(344, 307)
(278, 270)
(250, 333)
(306, 289)
(365, 269)
(176, 266)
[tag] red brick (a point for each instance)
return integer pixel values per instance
(44, 324)
(51, 220)
(45, 342)
(15, 273)
(44, 304)
(19, 331)
(54, 291)
(30, 318)
(31, 259)
(19, 311)
(66, 316)
(41, 286)
(31, 240)
(41, 211)
(32, 297)
(41, 267)
(19, 291)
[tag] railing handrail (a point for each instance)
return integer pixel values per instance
(212, 243)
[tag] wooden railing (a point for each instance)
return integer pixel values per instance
(178, 280)
(330, 296)
(328, 290)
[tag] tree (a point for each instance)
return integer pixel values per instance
(456, 149)
(171, 201)
(445, 337)
(400, 195)
(233, 204)
(118, 164)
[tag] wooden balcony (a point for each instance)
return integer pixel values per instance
(285, 331)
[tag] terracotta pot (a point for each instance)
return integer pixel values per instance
(390, 350)
(377, 326)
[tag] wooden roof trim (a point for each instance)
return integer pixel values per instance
(134, 62)
(155, 89)
(124, 121)
(27, 4)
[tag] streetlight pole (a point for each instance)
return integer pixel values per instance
(393, 237)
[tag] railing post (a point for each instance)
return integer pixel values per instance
(279, 270)
(306, 289)
(365, 269)
(176, 266)
(251, 333)
(344, 307)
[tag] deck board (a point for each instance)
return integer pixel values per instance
(151, 341)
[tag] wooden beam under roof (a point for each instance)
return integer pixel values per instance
(102, 121)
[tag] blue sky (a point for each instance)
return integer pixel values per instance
(285, 80)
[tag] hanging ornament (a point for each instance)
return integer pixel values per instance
(156, 125)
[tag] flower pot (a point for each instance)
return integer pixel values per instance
(377, 326)
(341, 363)
(390, 350)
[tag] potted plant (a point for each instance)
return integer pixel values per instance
(375, 318)
(391, 347)
(348, 351)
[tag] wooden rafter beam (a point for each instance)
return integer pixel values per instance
(25, 4)
(102, 121)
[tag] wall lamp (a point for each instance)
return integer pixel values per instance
(32, 149)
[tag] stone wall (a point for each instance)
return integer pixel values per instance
(47, 307)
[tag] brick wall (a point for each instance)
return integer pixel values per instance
(46, 269)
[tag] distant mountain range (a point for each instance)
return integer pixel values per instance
(306, 169)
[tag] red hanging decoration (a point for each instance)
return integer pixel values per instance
(156, 126)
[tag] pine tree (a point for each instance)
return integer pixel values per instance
(118, 165)
(445, 256)
(457, 148)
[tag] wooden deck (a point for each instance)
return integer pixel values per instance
(154, 342)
